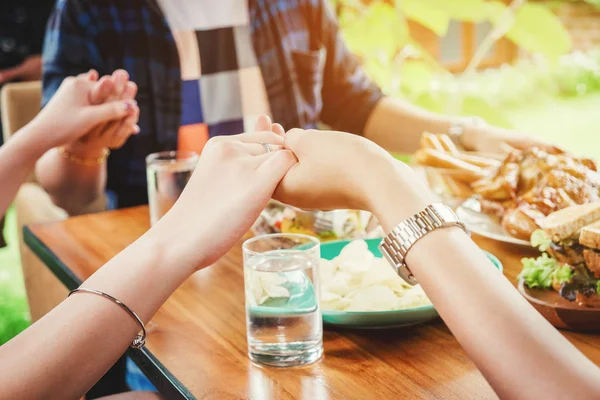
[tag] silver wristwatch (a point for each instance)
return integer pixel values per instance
(396, 245)
(457, 129)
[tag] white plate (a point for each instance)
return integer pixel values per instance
(482, 224)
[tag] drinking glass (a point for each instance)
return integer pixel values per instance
(283, 317)
(168, 172)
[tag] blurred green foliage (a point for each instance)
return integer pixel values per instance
(378, 32)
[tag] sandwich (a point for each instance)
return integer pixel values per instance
(569, 240)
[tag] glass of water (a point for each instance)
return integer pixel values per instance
(168, 172)
(283, 318)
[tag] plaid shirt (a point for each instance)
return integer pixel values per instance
(309, 74)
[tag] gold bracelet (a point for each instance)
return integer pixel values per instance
(87, 162)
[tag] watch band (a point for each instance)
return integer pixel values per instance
(396, 245)
(457, 129)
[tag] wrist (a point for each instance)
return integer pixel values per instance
(31, 142)
(181, 248)
(398, 194)
(85, 151)
(469, 130)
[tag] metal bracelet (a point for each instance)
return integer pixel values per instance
(457, 129)
(140, 339)
(86, 162)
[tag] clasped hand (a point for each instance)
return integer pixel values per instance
(235, 178)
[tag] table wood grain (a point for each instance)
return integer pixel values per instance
(196, 346)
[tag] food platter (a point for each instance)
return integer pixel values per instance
(377, 319)
(560, 312)
(508, 199)
(484, 225)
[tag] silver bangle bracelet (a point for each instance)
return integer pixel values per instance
(140, 339)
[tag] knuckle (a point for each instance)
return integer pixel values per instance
(221, 147)
(295, 137)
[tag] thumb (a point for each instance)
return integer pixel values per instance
(277, 164)
(263, 123)
(110, 111)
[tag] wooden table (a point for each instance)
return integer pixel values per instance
(197, 345)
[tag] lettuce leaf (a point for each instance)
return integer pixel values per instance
(598, 287)
(540, 239)
(563, 274)
(543, 271)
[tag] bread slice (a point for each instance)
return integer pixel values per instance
(566, 223)
(590, 236)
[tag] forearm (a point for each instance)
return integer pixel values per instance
(517, 350)
(70, 185)
(397, 125)
(17, 160)
(69, 349)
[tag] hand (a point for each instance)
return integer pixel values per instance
(114, 133)
(70, 113)
(337, 170)
(232, 183)
(28, 70)
(490, 139)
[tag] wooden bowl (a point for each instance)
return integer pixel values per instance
(560, 312)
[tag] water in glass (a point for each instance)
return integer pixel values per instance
(282, 308)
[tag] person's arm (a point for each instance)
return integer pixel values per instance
(17, 159)
(73, 185)
(397, 125)
(519, 353)
(68, 350)
(348, 95)
(353, 103)
(69, 115)
(69, 49)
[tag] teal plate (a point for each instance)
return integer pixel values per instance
(378, 319)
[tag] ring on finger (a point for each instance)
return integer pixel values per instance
(266, 146)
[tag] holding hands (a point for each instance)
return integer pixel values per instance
(233, 181)
(236, 177)
(83, 106)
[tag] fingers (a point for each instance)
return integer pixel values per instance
(121, 78)
(125, 129)
(506, 148)
(278, 129)
(110, 111)
(257, 137)
(263, 123)
(274, 166)
(101, 91)
(91, 75)
(293, 137)
(257, 149)
(130, 91)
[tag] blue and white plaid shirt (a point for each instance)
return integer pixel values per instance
(309, 74)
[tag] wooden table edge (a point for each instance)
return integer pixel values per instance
(166, 383)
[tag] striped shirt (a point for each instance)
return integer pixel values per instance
(309, 75)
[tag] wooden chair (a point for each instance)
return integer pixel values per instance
(19, 104)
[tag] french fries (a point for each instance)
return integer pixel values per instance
(461, 170)
(431, 141)
(449, 145)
